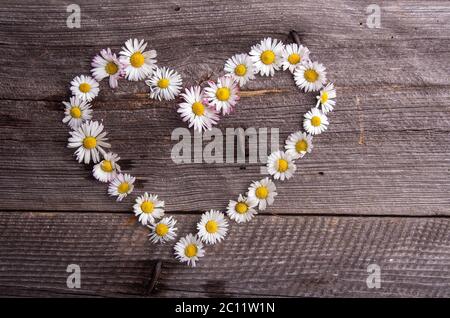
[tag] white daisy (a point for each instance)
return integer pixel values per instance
(240, 67)
(266, 56)
(76, 111)
(298, 144)
(212, 227)
(107, 169)
(293, 55)
(242, 210)
(163, 231)
(165, 83)
(310, 76)
(138, 64)
(223, 95)
(189, 249)
(90, 139)
(121, 186)
(84, 87)
(148, 208)
(326, 98)
(107, 65)
(315, 121)
(195, 110)
(280, 165)
(263, 192)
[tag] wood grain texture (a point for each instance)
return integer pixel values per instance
(272, 256)
(387, 151)
(373, 186)
(386, 175)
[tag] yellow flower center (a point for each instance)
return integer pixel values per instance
(324, 97)
(294, 58)
(282, 165)
(111, 68)
(223, 94)
(311, 75)
(268, 57)
(75, 112)
(315, 121)
(198, 109)
(147, 207)
(241, 208)
(89, 142)
(262, 192)
(190, 250)
(84, 87)
(212, 226)
(161, 229)
(163, 83)
(107, 166)
(240, 70)
(301, 146)
(137, 59)
(123, 188)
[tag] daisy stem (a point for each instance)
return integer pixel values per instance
(259, 92)
(295, 36)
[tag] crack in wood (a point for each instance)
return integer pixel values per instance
(155, 276)
(361, 140)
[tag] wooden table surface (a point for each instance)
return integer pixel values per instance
(375, 190)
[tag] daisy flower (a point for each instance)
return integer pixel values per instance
(121, 186)
(266, 56)
(298, 144)
(310, 76)
(84, 87)
(240, 67)
(280, 165)
(212, 227)
(242, 210)
(107, 65)
(189, 249)
(194, 110)
(107, 169)
(164, 84)
(223, 95)
(148, 208)
(76, 111)
(263, 192)
(90, 139)
(326, 98)
(315, 121)
(138, 64)
(293, 55)
(163, 231)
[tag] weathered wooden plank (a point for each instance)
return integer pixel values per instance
(358, 170)
(282, 256)
(409, 48)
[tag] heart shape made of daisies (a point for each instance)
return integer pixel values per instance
(201, 108)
